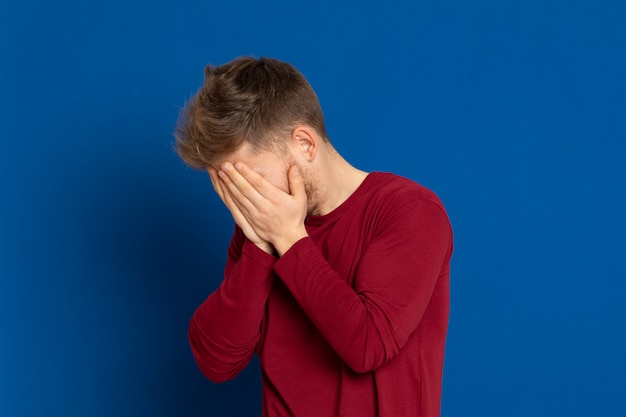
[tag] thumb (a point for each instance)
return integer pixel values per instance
(296, 183)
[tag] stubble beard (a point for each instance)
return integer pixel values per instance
(312, 191)
(310, 185)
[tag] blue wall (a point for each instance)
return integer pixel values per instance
(513, 112)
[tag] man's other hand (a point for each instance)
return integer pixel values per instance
(272, 214)
(224, 193)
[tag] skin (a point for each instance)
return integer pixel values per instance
(270, 195)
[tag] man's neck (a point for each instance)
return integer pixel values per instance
(334, 182)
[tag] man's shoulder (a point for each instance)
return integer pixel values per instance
(399, 201)
(396, 188)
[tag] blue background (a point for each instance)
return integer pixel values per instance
(514, 112)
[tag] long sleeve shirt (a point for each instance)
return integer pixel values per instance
(351, 321)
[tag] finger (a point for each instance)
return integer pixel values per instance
(242, 193)
(224, 193)
(240, 189)
(257, 181)
(296, 183)
(217, 183)
(213, 176)
(234, 206)
(225, 190)
(231, 202)
(250, 183)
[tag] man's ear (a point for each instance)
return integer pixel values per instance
(305, 142)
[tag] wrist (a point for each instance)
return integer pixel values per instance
(265, 247)
(283, 245)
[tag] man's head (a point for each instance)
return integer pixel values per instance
(258, 102)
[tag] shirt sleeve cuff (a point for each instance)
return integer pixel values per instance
(258, 255)
(295, 254)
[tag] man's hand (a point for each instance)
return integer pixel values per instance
(248, 231)
(273, 215)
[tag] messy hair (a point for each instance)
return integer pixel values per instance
(251, 100)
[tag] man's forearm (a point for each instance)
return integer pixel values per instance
(224, 330)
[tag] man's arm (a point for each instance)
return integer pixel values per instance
(368, 323)
(225, 329)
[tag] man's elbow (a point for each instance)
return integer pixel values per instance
(372, 354)
(365, 363)
(216, 368)
(215, 376)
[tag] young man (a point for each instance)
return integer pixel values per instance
(337, 279)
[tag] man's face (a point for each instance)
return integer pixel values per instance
(274, 168)
(269, 165)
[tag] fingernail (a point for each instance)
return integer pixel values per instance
(238, 165)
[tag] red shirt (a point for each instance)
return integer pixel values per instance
(351, 321)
